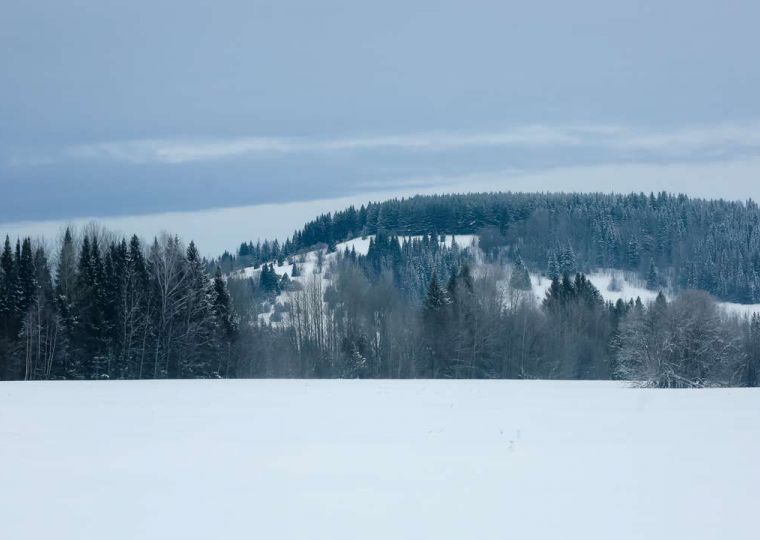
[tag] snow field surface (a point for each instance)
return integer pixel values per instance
(347, 459)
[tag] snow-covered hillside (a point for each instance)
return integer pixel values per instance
(307, 261)
(376, 459)
(625, 288)
(308, 264)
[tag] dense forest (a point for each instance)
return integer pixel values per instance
(708, 245)
(99, 306)
(112, 309)
(471, 316)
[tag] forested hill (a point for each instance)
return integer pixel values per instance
(98, 305)
(687, 243)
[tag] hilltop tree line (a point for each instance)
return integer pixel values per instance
(110, 308)
(668, 240)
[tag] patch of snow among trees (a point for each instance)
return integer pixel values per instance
(617, 285)
(623, 290)
(376, 459)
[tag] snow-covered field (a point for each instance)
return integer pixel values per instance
(376, 459)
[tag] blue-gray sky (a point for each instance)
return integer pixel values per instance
(132, 107)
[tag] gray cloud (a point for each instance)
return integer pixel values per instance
(694, 141)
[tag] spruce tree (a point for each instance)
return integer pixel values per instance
(65, 287)
(269, 281)
(520, 279)
(633, 253)
(89, 303)
(660, 303)
(451, 286)
(8, 291)
(552, 270)
(227, 324)
(653, 278)
(435, 318)
(27, 283)
(100, 324)
(567, 262)
(197, 359)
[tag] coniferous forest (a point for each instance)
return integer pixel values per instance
(98, 306)
(691, 243)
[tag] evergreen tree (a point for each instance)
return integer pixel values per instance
(552, 270)
(451, 286)
(633, 253)
(65, 290)
(90, 326)
(653, 277)
(566, 261)
(269, 281)
(197, 339)
(227, 324)
(27, 283)
(435, 318)
(8, 292)
(520, 279)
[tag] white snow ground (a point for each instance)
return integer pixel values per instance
(376, 459)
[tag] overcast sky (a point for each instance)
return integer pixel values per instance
(118, 108)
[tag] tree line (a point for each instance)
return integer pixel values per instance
(112, 309)
(99, 306)
(468, 315)
(678, 242)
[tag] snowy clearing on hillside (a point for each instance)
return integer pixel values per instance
(601, 280)
(377, 459)
(626, 290)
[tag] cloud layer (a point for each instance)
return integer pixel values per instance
(714, 141)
